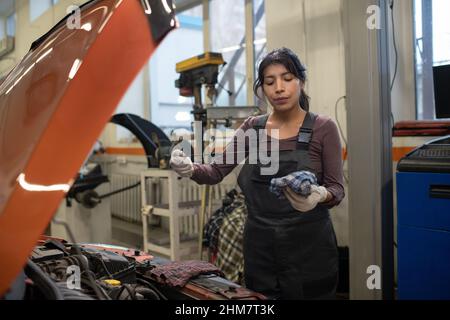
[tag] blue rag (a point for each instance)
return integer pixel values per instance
(300, 182)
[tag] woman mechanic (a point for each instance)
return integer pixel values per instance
(290, 248)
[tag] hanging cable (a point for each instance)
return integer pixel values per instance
(391, 5)
(119, 190)
(341, 131)
(337, 120)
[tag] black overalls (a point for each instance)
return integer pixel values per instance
(288, 254)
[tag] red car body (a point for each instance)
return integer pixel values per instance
(54, 105)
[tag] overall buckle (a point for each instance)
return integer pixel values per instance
(305, 135)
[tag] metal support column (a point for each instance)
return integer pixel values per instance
(370, 140)
(206, 27)
(428, 113)
(249, 50)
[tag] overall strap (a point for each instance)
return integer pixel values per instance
(260, 122)
(305, 132)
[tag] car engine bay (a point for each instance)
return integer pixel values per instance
(59, 270)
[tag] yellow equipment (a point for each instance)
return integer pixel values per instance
(207, 58)
(197, 71)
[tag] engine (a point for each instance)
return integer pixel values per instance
(58, 270)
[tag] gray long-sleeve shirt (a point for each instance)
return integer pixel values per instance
(325, 152)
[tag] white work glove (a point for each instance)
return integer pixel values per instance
(304, 204)
(181, 164)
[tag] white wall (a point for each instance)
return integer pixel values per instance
(312, 28)
(132, 102)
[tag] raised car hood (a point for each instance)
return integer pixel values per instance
(54, 105)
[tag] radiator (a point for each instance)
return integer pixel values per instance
(126, 205)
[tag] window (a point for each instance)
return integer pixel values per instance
(7, 33)
(132, 102)
(157, 91)
(2, 28)
(11, 25)
(38, 7)
(169, 110)
(228, 37)
(260, 42)
(8, 26)
(432, 47)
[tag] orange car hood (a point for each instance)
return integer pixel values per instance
(54, 105)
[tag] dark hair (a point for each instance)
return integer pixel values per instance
(291, 62)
